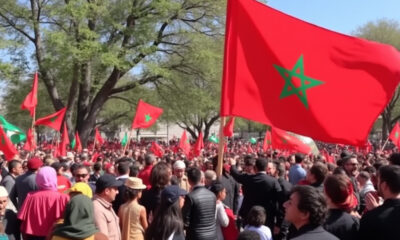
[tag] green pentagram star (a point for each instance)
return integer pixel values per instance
(306, 82)
(396, 135)
(53, 119)
(147, 117)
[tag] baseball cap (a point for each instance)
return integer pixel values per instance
(172, 193)
(106, 181)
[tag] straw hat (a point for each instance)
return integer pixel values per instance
(134, 183)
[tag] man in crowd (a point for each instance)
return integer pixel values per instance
(149, 160)
(123, 174)
(306, 210)
(104, 216)
(297, 172)
(8, 217)
(199, 209)
(179, 171)
(383, 221)
(14, 170)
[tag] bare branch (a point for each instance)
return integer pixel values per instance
(134, 84)
(14, 26)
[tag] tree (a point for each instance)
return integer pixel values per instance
(385, 31)
(96, 50)
(190, 93)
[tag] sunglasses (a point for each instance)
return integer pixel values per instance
(80, 175)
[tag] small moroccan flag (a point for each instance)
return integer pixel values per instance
(282, 140)
(146, 115)
(395, 135)
(198, 145)
(98, 137)
(267, 141)
(184, 144)
(6, 146)
(53, 120)
(30, 100)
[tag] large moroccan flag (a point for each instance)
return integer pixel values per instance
(30, 100)
(146, 115)
(53, 120)
(6, 146)
(282, 140)
(395, 135)
(285, 72)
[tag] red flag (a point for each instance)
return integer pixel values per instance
(267, 141)
(184, 144)
(53, 120)
(228, 129)
(249, 149)
(199, 144)
(282, 71)
(282, 140)
(98, 137)
(30, 100)
(30, 144)
(157, 149)
(62, 150)
(95, 156)
(146, 115)
(6, 146)
(78, 145)
(395, 135)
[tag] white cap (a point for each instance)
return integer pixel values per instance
(70, 155)
(179, 165)
(3, 192)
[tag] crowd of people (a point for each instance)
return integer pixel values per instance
(108, 193)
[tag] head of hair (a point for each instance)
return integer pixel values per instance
(390, 174)
(299, 157)
(249, 235)
(256, 216)
(131, 194)
(336, 188)
(249, 161)
(365, 175)
(348, 157)
(210, 175)
(81, 166)
(134, 169)
(261, 164)
(370, 169)
(194, 175)
(378, 165)
(216, 188)
(13, 164)
(149, 159)
(313, 202)
(160, 175)
(167, 220)
(280, 169)
(395, 159)
(339, 170)
(319, 170)
(123, 168)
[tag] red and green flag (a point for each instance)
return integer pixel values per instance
(6, 146)
(284, 141)
(184, 144)
(267, 141)
(53, 120)
(30, 100)
(198, 145)
(157, 150)
(228, 128)
(62, 151)
(291, 74)
(76, 143)
(395, 135)
(146, 115)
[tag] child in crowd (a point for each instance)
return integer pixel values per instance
(255, 222)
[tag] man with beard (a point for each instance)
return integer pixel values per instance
(350, 166)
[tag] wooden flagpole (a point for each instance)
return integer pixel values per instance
(221, 147)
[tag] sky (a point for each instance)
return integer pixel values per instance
(343, 16)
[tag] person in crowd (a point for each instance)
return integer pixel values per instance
(255, 222)
(258, 189)
(249, 235)
(199, 209)
(159, 178)
(382, 222)
(63, 183)
(297, 172)
(179, 168)
(341, 201)
(82, 174)
(96, 172)
(306, 210)
(42, 208)
(134, 169)
(316, 175)
(209, 178)
(350, 165)
(26, 182)
(132, 215)
(222, 219)
(145, 174)
(394, 159)
(81, 188)
(249, 165)
(168, 223)
(123, 175)
(364, 181)
(8, 217)
(78, 221)
(104, 216)
(14, 170)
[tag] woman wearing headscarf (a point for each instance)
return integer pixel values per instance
(42, 208)
(78, 221)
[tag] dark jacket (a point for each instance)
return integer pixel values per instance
(232, 192)
(381, 222)
(341, 224)
(312, 232)
(120, 198)
(151, 199)
(199, 214)
(259, 189)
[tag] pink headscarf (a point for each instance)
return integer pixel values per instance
(46, 179)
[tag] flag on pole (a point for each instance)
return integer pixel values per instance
(157, 149)
(30, 144)
(30, 100)
(98, 137)
(267, 141)
(282, 140)
(124, 140)
(228, 128)
(395, 135)
(6, 146)
(53, 120)
(64, 142)
(184, 144)
(146, 115)
(199, 145)
(76, 143)
(282, 71)
(13, 132)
